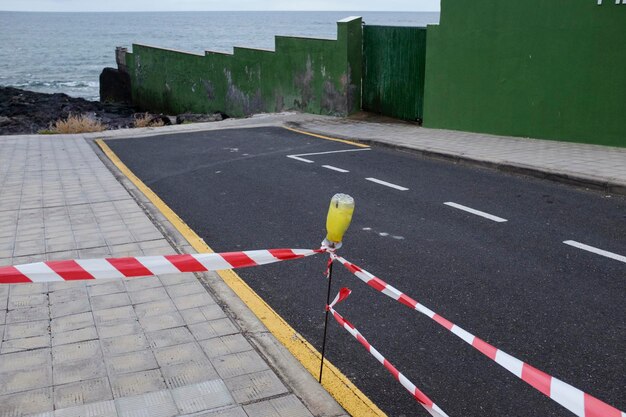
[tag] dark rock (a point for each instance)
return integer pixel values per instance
(24, 112)
(160, 118)
(200, 118)
(115, 86)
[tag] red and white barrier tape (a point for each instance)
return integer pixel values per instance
(112, 268)
(575, 400)
(422, 398)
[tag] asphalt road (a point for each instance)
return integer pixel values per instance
(515, 284)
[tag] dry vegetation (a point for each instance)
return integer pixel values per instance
(147, 120)
(76, 124)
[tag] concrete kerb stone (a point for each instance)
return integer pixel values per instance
(586, 181)
(289, 370)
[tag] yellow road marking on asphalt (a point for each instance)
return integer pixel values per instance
(337, 384)
(349, 142)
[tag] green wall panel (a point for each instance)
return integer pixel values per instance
(311, 75)
(393, 70)
(545, 69)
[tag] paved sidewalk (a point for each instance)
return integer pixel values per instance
(594, 166)
(155, 346)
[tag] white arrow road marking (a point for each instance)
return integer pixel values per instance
(297, 157)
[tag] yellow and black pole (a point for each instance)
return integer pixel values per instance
(337, 222)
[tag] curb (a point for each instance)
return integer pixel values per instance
(590, 182)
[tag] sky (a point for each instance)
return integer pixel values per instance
(215, 5)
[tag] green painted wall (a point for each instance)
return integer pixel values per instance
(393, 71)
(311, 75)
(553, 69)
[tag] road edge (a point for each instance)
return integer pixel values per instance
(335, 383)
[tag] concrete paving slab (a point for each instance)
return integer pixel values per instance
(79, 370)
(225, 345)
(177, 354)
(142, 360)
(28, 402)
(75, 335)
(98, 409)
(72, 322)
(287, 406)
(188, 373)
(253, 387)
(229, 412)
(214, 328)
(28, 343)
(83, 392)
(135, 383)
(204, 396)
(154, 404)
(237, 364)
(114, 346)
(169, 337)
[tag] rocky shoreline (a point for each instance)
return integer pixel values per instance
(27, 112)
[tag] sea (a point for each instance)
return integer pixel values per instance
(65, 52)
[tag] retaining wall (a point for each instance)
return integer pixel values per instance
(312, 75)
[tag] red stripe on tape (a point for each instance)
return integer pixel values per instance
(423, 398)
(444, 322)
(11, 275)
(485, 348)
(596, 408)
(407, 301)
(392, 369)
(238, 259)
(364, 342)
(69, 270)
(377, 284)
(185, 263)
(538, 379)
(352, 267)
(284, 254)
(129, 267)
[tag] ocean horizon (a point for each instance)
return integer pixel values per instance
(64, 52)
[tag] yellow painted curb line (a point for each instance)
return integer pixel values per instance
(340, 387)
(349, 142)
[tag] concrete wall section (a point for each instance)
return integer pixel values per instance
(311, 75)
(546, 69)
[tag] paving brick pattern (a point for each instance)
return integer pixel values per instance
(155, 346)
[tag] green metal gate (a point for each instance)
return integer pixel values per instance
(394, 60)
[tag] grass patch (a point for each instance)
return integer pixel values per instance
(74, 124)
(146, 120)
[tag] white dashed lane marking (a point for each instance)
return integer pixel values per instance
(596, 250)
(387, 184)
(476, 212)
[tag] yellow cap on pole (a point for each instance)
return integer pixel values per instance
(339, 218)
